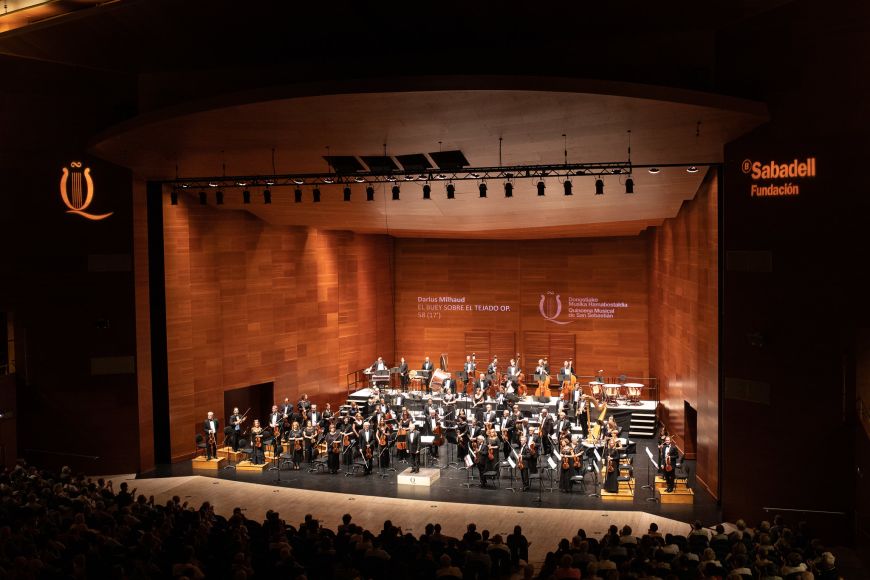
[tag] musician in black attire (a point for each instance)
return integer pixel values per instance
(287, 409)
(414, 447)
(210, 427)
(403, 374)
(427, 366)
(430, 426)
(546, 431)
(669, 457)
(236, 422)
(333, 448)
(461, 438)
(506, 428)
(530, 461)
(611, 467)
(367, 446)
(481, 459)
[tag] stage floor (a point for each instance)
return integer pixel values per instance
(449, 489)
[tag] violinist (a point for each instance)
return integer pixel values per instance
(236, 420)
(257, 436)
(563, 425)
(304, 404)
(481, 458)
(309, 434)
(358, 424)
(275, 421)
(493, 443)
(315, 416)
(348, 438)
(367, 443)
(295, 443)
(461, 437)
(670, 456)
(506, 429)
(333, 448)
(529, 460)
(383, 444)
(547, 427)
(488, 416)
(414, 447)
(402, 435)
(567, 468)
(611, 467)
(210, 427)
(432, 426)
(327, 414)
(287, 409)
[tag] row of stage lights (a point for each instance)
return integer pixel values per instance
(450, 190)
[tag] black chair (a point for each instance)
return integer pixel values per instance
(698, 543)
(245, 448)
(200, 445)
(491, 476)
(578, 480)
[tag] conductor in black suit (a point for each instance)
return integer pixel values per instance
(210, 427)
(414, 447)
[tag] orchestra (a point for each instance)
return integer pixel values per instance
(480, 419)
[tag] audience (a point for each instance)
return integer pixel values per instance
(60, 525)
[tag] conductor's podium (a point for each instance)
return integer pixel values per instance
(425, 477)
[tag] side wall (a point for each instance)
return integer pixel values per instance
(250, 303)
(684, 326)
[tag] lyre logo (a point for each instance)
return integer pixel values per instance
(79, 194)
(550, 307)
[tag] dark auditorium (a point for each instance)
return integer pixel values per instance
(462, 291)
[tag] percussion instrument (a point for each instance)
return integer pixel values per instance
(634, 391)
(438, 378)
(611, 391)
(595, 387)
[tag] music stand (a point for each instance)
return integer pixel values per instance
(648, 485)
(512, 461)
(382, 471)
(469, 470)
(426, 442)
(596, 469)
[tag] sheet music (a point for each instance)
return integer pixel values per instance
(598, 457)
(653, 461)
(551, 463)
(469, 461)
(427, 439)
(511, 462)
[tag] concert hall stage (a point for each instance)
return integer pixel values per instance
(449, 488)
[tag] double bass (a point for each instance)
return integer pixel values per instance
(439, 436)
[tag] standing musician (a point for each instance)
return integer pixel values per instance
(402, 435)
(210, 427)
(316, 417)
(513, 372)
(333, 448)
(599, 375)
(275, 420)
(563, 425)
(403, 374)
(257, 436)
(295, 442)
(546, 366)
(611, 466)
(492, 369)
(236, 421)
(566, 471)
(414, 447)
(327, 414)
(432, 426)
(469, 368)
(378, 365)
(481, 458)
(546, 430)
(367, 444)
(427, 366)
(506, 429)
(611, 428)
(304, 404)
(461, 437)
(309, 435)
(489, 415)
(287, 408)
(492, 454)
(669, 457)
(348, 441)
(541, 369)
(529, 464)
(383, 435)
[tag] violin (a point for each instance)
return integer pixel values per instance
(258, 439)
(336, 446)
(490, 454)
(576, 461)
(298, 446)
(565, 461)
(520, 463)
(382, 439)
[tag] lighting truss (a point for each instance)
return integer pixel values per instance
(514, 172)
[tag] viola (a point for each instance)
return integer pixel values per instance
(336, 446)
(565, 461)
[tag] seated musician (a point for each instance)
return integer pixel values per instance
(333, 448)
(258, 457)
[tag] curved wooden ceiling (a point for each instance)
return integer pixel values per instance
(531, 124)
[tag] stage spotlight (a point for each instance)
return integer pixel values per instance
(508, 189)
(692, 169)
(315, 193)
(395, 191)
(346, 193)
(427, 191)
(653, 170)
(370, 193)
(267, 196)
(451, 191)
(482, 188)
(599, 187)
(246, 197)
(541, 188)
(629, 185)
(567, 185)
(297, 195)
(173, 197)
(203, 198)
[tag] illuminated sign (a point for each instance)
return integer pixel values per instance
(77, 191)
(773, 171)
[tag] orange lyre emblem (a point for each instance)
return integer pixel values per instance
(77, 191)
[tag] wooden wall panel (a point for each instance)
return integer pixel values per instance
(251, 303)
(515, 277)
(684, 305)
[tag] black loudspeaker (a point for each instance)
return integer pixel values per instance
(512, 398)
(543, 399)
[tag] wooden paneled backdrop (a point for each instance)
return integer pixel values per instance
(515, 276)
(684, 325)
(251, 303)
